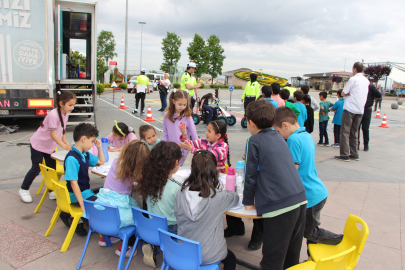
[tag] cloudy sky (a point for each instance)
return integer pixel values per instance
(284, 38)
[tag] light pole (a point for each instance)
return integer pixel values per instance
(141, 23)
(126, 43)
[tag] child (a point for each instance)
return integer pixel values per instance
(298, 95)
(305, 90)
(275, 96)
(77, 163)
(285, 94)
(251, 92)
(216, 142)
(124, 174)
(201, 204)
(278, 195)
(324, 119)
(159, 188)
(267, 93)
(204, 106)
(148, 134)
(337, 119)
(302, 149)
(121, 134)
(45, 140)
(179, 111)
(309, 124)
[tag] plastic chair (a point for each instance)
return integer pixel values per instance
(63, 204)
(353, 236)
(59, 170)
(48, 174)
(173, 253)
(105, 219)
(336, 262)
(146, 229)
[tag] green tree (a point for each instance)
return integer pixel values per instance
(198, 53)
(106, 46)
(78, 56)
(101, 68)
(171, 53)
(215, 57)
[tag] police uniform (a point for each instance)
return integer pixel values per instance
(144, 80)
(251, 93)
(186, 78)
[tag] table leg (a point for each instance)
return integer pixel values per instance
(247, 265)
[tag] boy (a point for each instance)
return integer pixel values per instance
(337, 119)
(302, 149)
(77, 163)
(285, 94)
(305, 90)
(324, 119)
(278, 195)
(298, 95)
(309, 124)
(276, 91)
(267, 95)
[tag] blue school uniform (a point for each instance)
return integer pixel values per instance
(303, 115)
(337, 118)
(272, 101)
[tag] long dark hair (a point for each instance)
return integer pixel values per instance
(63, 97)
(204, 174)
(161, 160)
(220, 127)
(124, 128)
(172, 108)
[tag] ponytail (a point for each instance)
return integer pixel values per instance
(220, 127)
(225, 138)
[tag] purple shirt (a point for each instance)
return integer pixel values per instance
(42, 140)
(116, 184)
(121, 142)
(171, 131)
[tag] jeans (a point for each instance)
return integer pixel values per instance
(377, 101)
(211, 112)
(163, 99)
(336, 133)
(236, 225)
(348, 134)
(365, 125)
(36, 158)
(323, 132)
(140, 96)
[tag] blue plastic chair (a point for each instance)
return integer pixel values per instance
(146, 229)
(105, 220)
(174, 250)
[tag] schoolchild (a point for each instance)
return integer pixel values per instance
(285, 94)
(298, 95)
(148, 134)
(337, 118)
(325, 105)
(121, 134)
(267, 93)
(309, 123)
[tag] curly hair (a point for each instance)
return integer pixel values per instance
(161, 160)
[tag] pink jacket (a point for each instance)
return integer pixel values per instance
(219, 149)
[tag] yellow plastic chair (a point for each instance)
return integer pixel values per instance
(63, 203)
(336, 262)
(48, 174)
(59, 170)
(353, 236)
(226, 168)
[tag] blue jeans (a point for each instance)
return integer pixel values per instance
(211, 112)
(172, 228)
(163, 99)
(323, 132)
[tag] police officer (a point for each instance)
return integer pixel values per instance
(252, 91)
(143, 80)
(189, 84)
(291, 89)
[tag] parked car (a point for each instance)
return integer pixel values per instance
(153, 77)
(131, 83)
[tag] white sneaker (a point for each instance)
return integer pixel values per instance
(128, 253)
(113, 240)
(51, 195)
(25, 195)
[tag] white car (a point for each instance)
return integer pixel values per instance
(131, 83)
(153, 77)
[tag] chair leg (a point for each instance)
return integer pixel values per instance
(132, 253)
(69, 236)
(107, 240)
(84, 249)
(41, 201)
(40, 187)
(124, 247)
(53, 221)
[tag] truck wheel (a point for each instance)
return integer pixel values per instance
(223, 119)
(231, 120)
(243, 123)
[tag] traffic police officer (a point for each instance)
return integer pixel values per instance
(189, 84)
(252, 91)
(144, 80)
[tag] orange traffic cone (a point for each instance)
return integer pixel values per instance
(213, 95)
(149, 117)
(384, 122)
(122, 104)
(378, 114)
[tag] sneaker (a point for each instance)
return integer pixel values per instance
(149, 255)
(160, 110)
(80, 230)
(342, 158)
(25, 195)
(319, 144)
(354, 157)
(128, 253)
(51, 195)
(142, 112)
(135, 111)
(113, 240)
(254, 245)
(366, 148)
(326, 144)
(336, 145)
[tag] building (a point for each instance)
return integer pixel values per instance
(231, 79)
(323, 81)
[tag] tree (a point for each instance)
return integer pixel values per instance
(101, 68)
(198, 53)
(215, 57)
(78, 56)
(171, 53)
(377, 72)
(106, 46)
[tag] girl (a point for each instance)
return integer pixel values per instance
(159, 188)
(121, 134)
(48, 136)
(179, 111)
(201, 204)
(148, 134)
(125, 173)
(216, 141)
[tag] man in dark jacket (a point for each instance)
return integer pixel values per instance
(373, 94)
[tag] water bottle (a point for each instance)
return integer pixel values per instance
(104, 143)
(230, 179)
(240, 176)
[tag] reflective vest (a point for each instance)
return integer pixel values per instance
(291, 89)
(142, 79)
(187, 79)
(251, 90)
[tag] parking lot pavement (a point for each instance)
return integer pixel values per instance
(372, 188)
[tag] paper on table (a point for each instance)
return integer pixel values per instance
(102, 169)
(239, 205)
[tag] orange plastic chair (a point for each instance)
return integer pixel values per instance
(64, 204)
(59, 170)
(353, 236)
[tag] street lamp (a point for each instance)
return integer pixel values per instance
(141, 23)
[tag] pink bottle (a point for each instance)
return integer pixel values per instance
(230, 179)
(95, 150)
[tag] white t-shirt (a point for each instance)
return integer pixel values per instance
(357, 86)
(166, 81)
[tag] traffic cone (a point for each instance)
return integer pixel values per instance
(384, 122)
(378, 114)
(149, 117)
(122, 104)
(213, 95)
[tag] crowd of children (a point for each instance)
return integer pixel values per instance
(279, 138)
